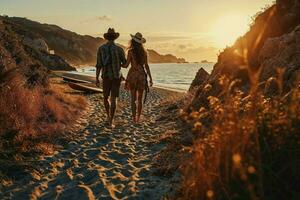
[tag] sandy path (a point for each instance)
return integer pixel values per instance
(102, 163)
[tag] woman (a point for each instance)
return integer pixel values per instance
(136, 81)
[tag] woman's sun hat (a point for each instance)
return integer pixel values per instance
(111, 34)
(138, 37)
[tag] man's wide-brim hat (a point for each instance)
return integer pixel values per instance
(138, 37)
(111, 34)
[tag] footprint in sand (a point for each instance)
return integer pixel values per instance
(103, 163)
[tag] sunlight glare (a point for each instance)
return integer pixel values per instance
(228, 28)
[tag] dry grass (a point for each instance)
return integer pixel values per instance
(32, 119)
(247, 147)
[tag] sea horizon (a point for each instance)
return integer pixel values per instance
(175, 76)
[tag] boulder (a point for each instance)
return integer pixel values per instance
(200, 78)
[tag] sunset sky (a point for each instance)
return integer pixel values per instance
(193, 29)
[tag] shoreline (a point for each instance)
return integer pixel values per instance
(91, 78)
(169, 76)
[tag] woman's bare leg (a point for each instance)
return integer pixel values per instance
(140, 104)
(133, 104)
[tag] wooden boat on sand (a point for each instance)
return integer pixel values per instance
(74, 77)
(74, 80)
(84, 87)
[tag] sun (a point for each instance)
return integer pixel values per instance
(228, 28)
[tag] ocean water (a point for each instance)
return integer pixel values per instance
(169, 75)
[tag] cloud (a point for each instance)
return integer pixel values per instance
(104, 18)
(182, 46)
(190, 51)
(197, 53)
(199, 49)
(165, 38)
(97, 18)
(188, 46)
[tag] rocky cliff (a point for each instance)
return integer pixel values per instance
(270, 49)
(35, 48)
(74, 48)
(16, 59)
(281, 52)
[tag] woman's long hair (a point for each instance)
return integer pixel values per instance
(138, 52)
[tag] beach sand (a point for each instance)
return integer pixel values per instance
(104, 163)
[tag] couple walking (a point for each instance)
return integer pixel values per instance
(110, 59)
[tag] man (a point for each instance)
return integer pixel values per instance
(110, 58)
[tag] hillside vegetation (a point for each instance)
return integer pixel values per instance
(244, 118)
(33, 113)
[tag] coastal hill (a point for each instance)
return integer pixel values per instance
(155, 57)
(34, 48)
(74, 48)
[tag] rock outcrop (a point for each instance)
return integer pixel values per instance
(36, 43)
(271, 43)
(52, 62)
(282, 52)
(200, 78)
